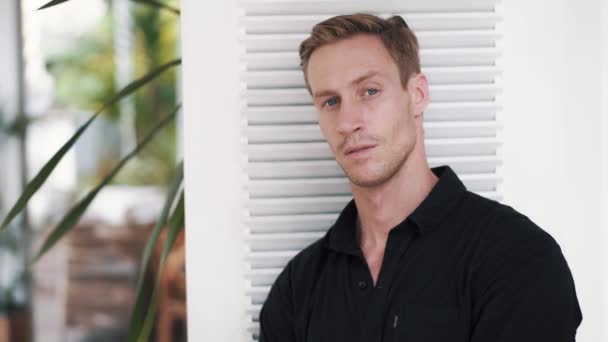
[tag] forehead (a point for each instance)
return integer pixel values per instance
(336, 64)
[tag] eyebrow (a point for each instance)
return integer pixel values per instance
(364, 77)
(353, 82)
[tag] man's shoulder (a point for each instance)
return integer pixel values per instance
(500, 231)
(307, 260)
(513, 257)
(305, 263)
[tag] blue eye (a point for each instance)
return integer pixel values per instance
(372, 91)
(332, 102)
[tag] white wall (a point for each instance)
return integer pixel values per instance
(553, 136)
(604, 202)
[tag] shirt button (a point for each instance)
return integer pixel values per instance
(362, 284)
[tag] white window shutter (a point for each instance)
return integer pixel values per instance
(295, 188)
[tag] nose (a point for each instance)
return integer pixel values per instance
(349, 118)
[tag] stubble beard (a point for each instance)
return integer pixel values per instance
(373, 173)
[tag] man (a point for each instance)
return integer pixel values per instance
(414, 256)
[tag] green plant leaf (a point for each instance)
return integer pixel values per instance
(139, 310)
(32, 187)
(160, 5)
(72, 217)
(133, 86)
(147, 2)
(175, 226)
(52, 3)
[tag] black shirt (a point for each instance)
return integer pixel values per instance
(460, 267)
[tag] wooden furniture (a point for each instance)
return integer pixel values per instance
(15, 327)
(5, 329)
(172, 290)
(102, 270)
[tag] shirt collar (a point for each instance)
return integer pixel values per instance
(427, 217)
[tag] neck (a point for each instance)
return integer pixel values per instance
(382, 207)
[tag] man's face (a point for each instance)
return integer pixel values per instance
(362, 105)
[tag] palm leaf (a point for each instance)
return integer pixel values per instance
(138, 313)
(72, 217)
(32, 187)
(158, 4)
(176, 224)
(52, 3)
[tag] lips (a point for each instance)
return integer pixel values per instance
(358, 148)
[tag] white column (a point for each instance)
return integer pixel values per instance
(212, 150)
(12, 151)
(123, 47)
(604, 153)
(11, 101)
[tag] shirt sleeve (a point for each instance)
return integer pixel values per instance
(525, 293)
(277, 314)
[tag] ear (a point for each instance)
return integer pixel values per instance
(419, 87)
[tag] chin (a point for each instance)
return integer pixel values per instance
(367, 182)
(373, 173)
(368, 178)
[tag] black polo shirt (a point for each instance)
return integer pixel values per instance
(461, 267)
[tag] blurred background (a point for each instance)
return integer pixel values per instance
(59, 65)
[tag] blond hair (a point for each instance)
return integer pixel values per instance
(396, 36)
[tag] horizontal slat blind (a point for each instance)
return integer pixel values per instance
(295, 187)
(437, 57)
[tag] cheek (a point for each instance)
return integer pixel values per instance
(401, 124)
(327, 132)
(324, 126)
